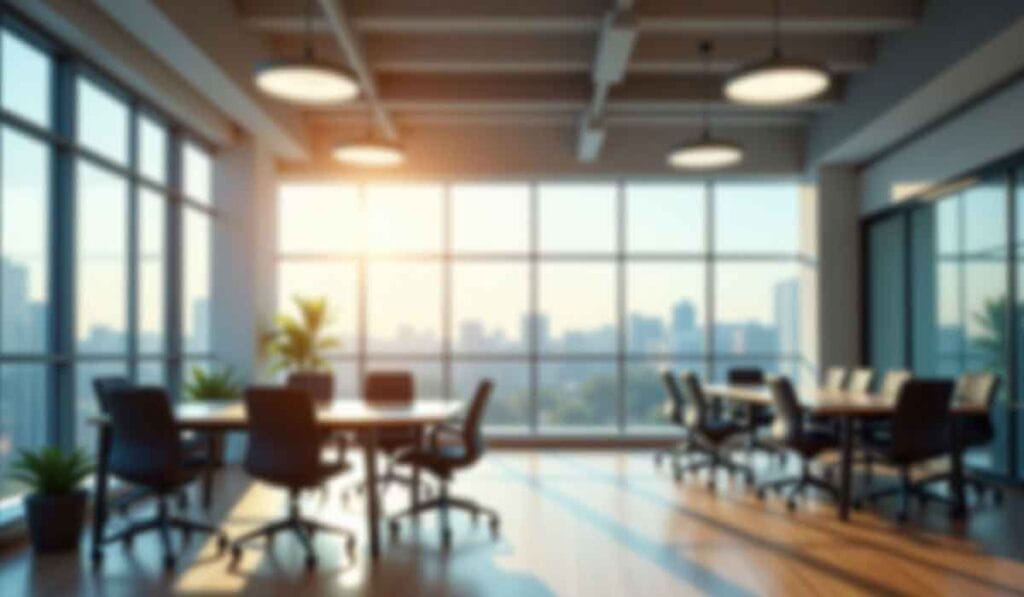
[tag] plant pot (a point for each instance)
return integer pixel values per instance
(320, 384)
(55, 521)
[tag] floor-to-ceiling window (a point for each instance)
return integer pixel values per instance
(91, 181)
(939, 288)
(571, 296)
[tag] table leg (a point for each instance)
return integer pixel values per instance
(414, 492)
(99, 513)
(209, 469)
(846, 467)
(959, 507)
(372, 504)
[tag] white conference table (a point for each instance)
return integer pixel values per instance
(352, 414)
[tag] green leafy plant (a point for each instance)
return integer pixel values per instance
(298, 343)
(217, 384)
(51, 471)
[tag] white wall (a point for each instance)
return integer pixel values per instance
(989, 130)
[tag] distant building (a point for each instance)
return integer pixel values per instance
(539, 322)
(646, 334)
(685, 336)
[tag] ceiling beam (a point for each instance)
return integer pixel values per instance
(581, 16)
(653, 53)
(337, 21)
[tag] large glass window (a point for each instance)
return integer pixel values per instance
(572, 297)
(24, 243)
(88, 209)
(27, 72)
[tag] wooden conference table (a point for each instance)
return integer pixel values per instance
(343, 415)
(847, 407)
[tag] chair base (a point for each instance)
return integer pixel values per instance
(904, 490)
(303, 528)
(443, 503)
(797, 485)
(163, 522)
(980, 486)
(715, 458)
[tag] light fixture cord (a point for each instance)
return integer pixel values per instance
(777, 29)
(705, 50)
(309, 29)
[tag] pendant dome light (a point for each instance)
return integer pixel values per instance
(777, 80)
(306, 80)
(705, 152)
(370, 153)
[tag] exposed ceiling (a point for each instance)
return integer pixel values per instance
(546, 63)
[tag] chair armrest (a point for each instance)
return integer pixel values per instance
(446, 430)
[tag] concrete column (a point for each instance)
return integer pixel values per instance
(244, 245)
(838, 272)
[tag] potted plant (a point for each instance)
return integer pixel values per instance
(297, 345)
(55, 508)
(215, 385)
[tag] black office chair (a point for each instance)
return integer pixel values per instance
(452, 447)
(146, 450)
(790, 433)
(920, 432)
(751, 376)
(672, 409)
(710, 436)
(394, 388)
(192, 446)
(975, 431)
(880, 430)
(284, 450)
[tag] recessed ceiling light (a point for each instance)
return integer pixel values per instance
(370, 153)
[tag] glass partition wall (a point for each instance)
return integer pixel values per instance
(571, 296)
(92, 196)
(941, 277)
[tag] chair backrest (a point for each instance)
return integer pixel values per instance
(860, 380)
(320, 386)
(674, 398)
(977, 388)
(745, 376)
(789, 420)
(920, 424)
(835, 378)
(696, 406)
(472, 426)
(389, 386)
(105, 386)
(284, 442)
(144, 448)
(892, 381)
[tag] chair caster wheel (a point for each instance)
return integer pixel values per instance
(677, 475)
(236, 555)
(748, 478)
(310, 562)
(760, 494)
(169, 562)
(495, 527)
(711, 484)
(790, 505)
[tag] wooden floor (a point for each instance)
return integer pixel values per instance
(603, 523)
